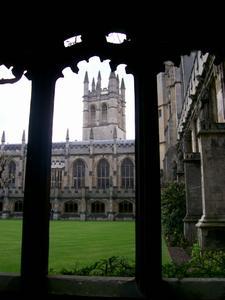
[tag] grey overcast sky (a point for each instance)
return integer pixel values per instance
(15, 102)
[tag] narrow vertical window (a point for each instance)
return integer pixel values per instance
(103, 174)
(56, 178)
(53, 178)
(93, 114)
(12, 174)
(104, 113)
(78, 174)
(127, 174)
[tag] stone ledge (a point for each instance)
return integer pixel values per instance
(118, 287)
(196, 288)
(85, 286)
(97, 286)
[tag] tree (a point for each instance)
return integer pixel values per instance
(173, 212)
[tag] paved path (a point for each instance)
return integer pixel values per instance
(178, 255)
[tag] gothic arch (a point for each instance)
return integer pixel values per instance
(104, 110)
(78, 173)
(127, 173)
(12, 173)
(125, 206)
(92, 114)
(103, 174)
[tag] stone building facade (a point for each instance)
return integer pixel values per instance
(92, 179)
(198, 149)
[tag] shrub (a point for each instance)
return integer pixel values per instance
(112, 266)
(207, 263)
(173, 212)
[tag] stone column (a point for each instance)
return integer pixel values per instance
(6, 206)
(83, 212)
(180, 166)
(35, 237)
(211, 227)
(110, 207)
(187, 143)
(56, 210)
(193, 195)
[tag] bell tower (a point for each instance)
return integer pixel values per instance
(104, 109)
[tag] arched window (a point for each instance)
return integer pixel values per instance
(1, 206)
(93, 114)
(12, 173)
(103, 174)
(125, 207)
(127, 174)
(18, 206)
(97, 207)
(70, 207)
(78, 174)
(104, 112)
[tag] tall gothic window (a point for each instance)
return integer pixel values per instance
(103, 174)
(18, 206)
(127, 174)
(78, 174)
(70, 207)
(125, 207)
(56, 178)
(12, 174)
(104, 112)
(97, 207)
(93, 114)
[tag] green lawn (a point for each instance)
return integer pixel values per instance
(73, 242)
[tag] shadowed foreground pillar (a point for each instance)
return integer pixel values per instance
(35, 235)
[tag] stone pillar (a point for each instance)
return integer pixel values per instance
(193, 195)
(56, 211)
(110, 207)
(35, 237)
(6, 208)
(180, 166)
(211, 227)
(83, 212)
(187, 144)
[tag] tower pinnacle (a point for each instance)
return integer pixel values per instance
(67, 135)
(3, 137)
(113, 83)
(122, 89)
(93, 85)
(86, 84)
(98, 85)
(23, 137)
